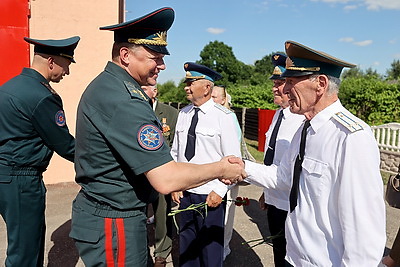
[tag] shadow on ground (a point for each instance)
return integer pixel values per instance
(63, 252)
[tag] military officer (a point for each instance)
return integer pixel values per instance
(205, 132)
(278, 137)
(121, 156)
(330, 172)
(32, 127)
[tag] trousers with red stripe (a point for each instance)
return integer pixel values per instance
(108, 241)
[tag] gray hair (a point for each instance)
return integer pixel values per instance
(333, 83)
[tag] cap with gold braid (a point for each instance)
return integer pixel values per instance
(63, 47)
(303, 60)
(279, 62)
(149, 30)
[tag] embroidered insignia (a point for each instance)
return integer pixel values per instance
(60, 118)
(224, 109)
(150, 137)
(276, 57)
(348, 122)
(135, 92)
(277, 71)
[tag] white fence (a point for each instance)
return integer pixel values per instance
(388, 136)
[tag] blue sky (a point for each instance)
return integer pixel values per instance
(363, 32)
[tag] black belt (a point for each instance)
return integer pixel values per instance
(21, 171)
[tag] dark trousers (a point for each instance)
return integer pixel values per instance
(201, 237)
(105, 239)
(163, 226)
(22, 206)
(276, 222)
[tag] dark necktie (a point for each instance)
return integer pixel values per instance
(294, 192)
(269, 155)
(191, 137)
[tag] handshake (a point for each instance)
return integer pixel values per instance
(232, 170)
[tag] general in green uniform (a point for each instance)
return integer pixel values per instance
(118, 139)
(120, 149)
(32, 127)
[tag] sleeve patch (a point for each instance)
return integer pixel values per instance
(348, 122)
(60, 118)
(150, 137)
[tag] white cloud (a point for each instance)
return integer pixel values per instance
(215, 30)
(393, 41)
(350, 7)
(382, 4)
(370, 4)
(346, 40)
(396, 55)
(376, 63)
(363, 43)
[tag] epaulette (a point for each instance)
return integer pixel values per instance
(49, 88)
(134, 92)
(224, 109)
(348, 122)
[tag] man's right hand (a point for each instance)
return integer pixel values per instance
(232, 170)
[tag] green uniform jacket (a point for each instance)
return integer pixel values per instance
(168, 114)
(32, 123)
(118, 138)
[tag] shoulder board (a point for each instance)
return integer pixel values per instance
(346, 121)
(49, 88)
(134, 91)
(224, 109)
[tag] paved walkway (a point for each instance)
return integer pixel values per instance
(250, 223)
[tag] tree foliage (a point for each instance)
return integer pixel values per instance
(220, 57)
(371, 99)
(394, 71)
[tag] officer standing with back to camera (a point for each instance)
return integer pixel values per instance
(32, 127)
(121, 156)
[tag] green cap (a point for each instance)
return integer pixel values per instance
(64, 47)
(303, 60)
(149, 30)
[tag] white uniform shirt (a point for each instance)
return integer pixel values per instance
(340, 216)
(217, 135)
(289, 125)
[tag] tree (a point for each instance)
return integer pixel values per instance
(394, 71)
(263, 69)
(169, 92)
(220, 57)
(371, 99)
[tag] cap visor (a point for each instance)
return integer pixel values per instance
(295, 73)
(158, 49)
